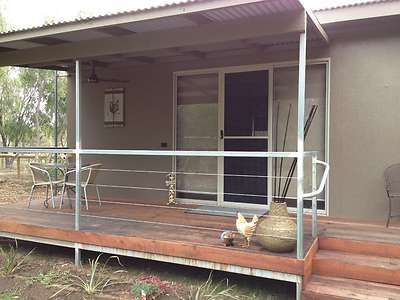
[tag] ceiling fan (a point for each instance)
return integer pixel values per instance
(93, 78)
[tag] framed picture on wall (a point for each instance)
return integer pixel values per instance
(114, 107)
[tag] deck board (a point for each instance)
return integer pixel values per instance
(329, 288)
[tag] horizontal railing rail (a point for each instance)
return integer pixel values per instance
(50, 150)
(158, 152)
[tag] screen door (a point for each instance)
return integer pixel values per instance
(245, 129)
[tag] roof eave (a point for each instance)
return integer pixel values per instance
(122, 18)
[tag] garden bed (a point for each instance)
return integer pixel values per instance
(48, 273)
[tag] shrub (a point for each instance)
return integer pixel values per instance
(151, 291)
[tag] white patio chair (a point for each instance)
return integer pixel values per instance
(41, 177)
(88, 177)
(392, 185)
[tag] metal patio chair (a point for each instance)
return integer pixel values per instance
(42, 177)
(392, 185)
(88, 178)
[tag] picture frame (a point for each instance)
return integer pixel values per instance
(114, 107)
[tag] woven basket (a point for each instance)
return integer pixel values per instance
(276, 232)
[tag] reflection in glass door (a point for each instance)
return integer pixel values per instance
(197, 130)
(245, 129)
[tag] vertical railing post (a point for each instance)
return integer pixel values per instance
(78, 147)
(18, 165)
(300, 142)
(56, 119)
(314, 199)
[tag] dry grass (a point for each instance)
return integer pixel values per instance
(12, 260)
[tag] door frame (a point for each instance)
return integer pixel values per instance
(253, 67)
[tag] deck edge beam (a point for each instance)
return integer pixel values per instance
(162, 258)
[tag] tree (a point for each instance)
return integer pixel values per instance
(28, 105)
(15, 113)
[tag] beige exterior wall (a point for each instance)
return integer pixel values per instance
(364, 127)
(364, 134)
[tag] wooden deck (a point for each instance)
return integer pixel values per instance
(349, 260)
(149, 228)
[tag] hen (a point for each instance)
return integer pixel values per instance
(246, 228)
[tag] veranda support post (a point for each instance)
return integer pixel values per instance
(300, 147)
(78, 146)
(300, 142)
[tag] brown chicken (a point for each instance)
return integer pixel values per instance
(246, 228)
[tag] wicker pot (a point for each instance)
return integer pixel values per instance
(276, 232)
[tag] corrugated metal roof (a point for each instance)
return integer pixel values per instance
(337, 4)
(252, 10)
(145, 6)
(224, 14)
(248, 10)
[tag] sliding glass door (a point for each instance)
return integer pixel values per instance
(197, 130)
(246, 109)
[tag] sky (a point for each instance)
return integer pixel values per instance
(28, 13)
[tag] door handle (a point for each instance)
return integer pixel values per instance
(221, 134)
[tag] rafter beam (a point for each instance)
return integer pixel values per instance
(193, 53)
(198, 18)
(47, 41)
(46, 67)
(115, 30)
(180, 37)
(142, 59)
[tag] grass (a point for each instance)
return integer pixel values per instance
(11, 260)
(10, 295)
(210, 291)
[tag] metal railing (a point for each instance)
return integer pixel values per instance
(315, 190)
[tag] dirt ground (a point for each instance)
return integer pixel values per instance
(49, 273)
(14, 188)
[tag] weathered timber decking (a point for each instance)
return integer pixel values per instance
(154, 229)
(346, 253)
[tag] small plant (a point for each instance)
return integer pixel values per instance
(52, 277)
(11, 260)
(149, 285)
(210, 291)
(149, 290)
(94, 282)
